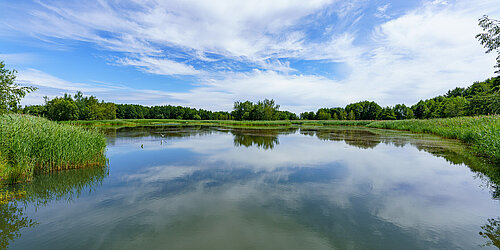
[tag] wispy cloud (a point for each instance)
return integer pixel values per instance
(241, 30)
(52, 86)
(382, 11)
(159, 66)
(240, 50)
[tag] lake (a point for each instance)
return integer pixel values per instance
(173, 187)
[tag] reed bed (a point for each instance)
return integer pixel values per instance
(31, 145)
(481, 132)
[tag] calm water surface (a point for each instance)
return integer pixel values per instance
(213, 188)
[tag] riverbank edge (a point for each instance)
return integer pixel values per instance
(481, 133)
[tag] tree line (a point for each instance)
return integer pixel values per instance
(481, 98)
(266, 110)
(79, 107)
(135, 111)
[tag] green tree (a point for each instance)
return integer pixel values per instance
(307, 116)
(62, 109)
(455, 106)
(365, 110)
(323, 114)
(490, 38)
(241, 110)
(10, 92)
(36, 110)
(270, 109)
(351, 116)
(387, 114)
(402, 112)
(343, 115)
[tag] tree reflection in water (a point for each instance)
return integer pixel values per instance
(12, 220)
(267, 140)
(491, 232)
(67, 185)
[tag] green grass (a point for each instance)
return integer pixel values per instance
(481, 132)
(32, 145)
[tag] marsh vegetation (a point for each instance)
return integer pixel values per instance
(31, 145)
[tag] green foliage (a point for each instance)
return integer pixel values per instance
(62, 109)
(67, 109)
(387, 114)
(351, 116)
(491, 232)
(35, 110)
(482, 132)
(266, 110)
(33, 144)
(365, 110)
(490, 39)
(134, 111)
(307, 116)
(402, 112)
(12, 220)
(287, 115)
(323, 114)
(10, 92)
(481, 98)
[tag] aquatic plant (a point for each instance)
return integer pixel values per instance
(482, 133)
(31, 145)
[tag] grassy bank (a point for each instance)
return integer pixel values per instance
(31, 145)
(482, 132)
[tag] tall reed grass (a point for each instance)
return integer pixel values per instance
(31, 145)
(481, 132)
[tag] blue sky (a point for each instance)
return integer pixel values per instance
(208, 54)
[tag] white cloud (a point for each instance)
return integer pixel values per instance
(52, 86)
(42, 79)
(251, 30)
(159, 66)
(420, 54)
(382, 11)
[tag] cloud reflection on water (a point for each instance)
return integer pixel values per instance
(350, 189)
